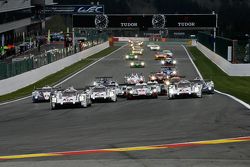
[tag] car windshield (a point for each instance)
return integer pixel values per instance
(184, 85)
(45, 90)
(69, 93)
(140, 86)
(99, 89)
(159, 75)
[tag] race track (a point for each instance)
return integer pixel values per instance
(33, 128)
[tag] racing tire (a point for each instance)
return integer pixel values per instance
(34, 100)
(84, 105)
(169, 97)
(53, 106)
(129, 97)
(199, 95)
(154, 96)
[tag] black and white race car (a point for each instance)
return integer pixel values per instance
(42, 94)
(142, 90)
(184, 88)
(70, 97)
(102, 93)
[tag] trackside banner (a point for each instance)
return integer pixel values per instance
(74, 9)
(155, 21)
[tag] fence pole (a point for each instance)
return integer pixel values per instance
(235, 45)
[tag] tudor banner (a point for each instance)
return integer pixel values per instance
(156, 21)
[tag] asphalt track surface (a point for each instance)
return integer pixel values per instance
(33, 128)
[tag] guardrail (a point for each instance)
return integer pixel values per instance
(17, 82)
(223, 64)
(234, 51)
(20, 65)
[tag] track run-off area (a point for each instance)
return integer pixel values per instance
(211, 128)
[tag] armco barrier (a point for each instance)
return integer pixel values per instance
(227, 67)
(17, 82)
(132, 39)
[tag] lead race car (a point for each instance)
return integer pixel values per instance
(142, 90)
(70, 96)
(102, 93)
(184, 88)
(154, 47)
(42, 94)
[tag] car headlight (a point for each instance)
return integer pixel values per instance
(131, 92)
(132, 64)
(167, 82)
(174, 72)
(209, 88)
(154, 90)
(142, 63)
(196, 89)
(82, 98)
(111, 93)
(53, 99)
(174, 62)
(162, 62)
(171, 91)
(153, 78)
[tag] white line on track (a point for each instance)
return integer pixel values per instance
(1, 104)
(225, 94)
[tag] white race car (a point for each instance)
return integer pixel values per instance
(134, 78)
(168, 52)
(103, 93)
(70, 96)
(142, 90)
(137, 50)
(155, 47)
(184, 88)
(150, 44)
(155, 85)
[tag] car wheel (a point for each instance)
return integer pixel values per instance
(199, 95)
(129, 97)
(84, 105)
(53, 106)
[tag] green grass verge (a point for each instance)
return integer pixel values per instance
(236, 86)
(58, 76)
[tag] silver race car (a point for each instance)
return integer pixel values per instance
(70, 96)
(184, 88)
(42, 94)
(207, 85)
(103, 93)
(134, 78)
(160, 87)
(108, 82)
(142, 90)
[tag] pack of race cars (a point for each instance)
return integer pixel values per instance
(165, 82)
